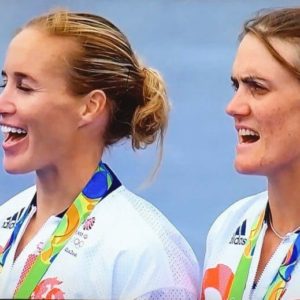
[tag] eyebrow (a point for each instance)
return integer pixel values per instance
(19, 75)
(250, 79)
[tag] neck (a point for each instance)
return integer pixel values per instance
(284, 201)
(58, 186)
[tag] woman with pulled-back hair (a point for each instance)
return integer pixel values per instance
(72, 87)
(253, 248)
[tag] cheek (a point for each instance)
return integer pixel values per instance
(274, 121)
(281, 130)
(269, 123)
(55, 125)
(57, 115)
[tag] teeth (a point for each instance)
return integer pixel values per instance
(243, 132)
(8, 129)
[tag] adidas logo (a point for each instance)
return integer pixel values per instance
(10, 222)
(239, 237)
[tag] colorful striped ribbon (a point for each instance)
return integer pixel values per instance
(277, 287)
(95, 190)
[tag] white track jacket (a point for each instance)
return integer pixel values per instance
(126, 249)
(225, 244)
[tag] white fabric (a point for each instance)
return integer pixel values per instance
(125, 250)
(225, 245)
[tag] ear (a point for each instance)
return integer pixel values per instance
(93, 105)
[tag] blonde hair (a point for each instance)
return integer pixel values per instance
(137, 95)
(284, 24)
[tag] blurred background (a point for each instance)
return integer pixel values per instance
(192, 43)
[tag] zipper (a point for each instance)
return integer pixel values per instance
(255, 262)
(263, 271)
(287, 240)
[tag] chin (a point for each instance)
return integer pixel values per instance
(15, 168)
(15, 171)
(245, 169)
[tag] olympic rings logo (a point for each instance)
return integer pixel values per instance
(78, 243)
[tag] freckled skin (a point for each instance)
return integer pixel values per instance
(274, 112)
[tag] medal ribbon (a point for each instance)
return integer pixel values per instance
(277, 287)
(13, 237)
(96, 189)
(241, 275)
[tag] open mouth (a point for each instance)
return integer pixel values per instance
(13, 134)
(248, 136)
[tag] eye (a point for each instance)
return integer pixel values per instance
(234, 84)
(3, 83)
(24, 88)
(255, 86)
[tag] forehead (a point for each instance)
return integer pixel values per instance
(253, 57)
(36, 50)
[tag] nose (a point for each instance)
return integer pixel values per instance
(238, 106)
(7, 106)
